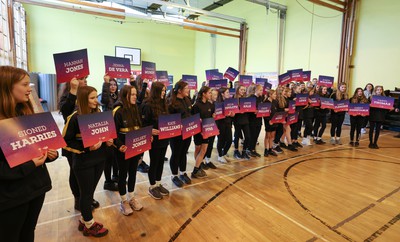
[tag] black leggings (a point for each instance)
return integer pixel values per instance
(356, 123)
(336, 124)
(127, 167)
(210, 147)
(319, 120)
(224, 138)
(19, 223)
(308, 122)
(294, 130)
(73, 182)
(111, 163)
(157, 155)
(374, 126)
(179, 150)
(255, 132)
(87, 181)
(246, 132)
(278, 134)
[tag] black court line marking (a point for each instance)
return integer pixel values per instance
(383, 228)
(334, 228)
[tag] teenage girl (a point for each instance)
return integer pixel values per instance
(356, 122)
(376, 118)
(87, 163)
(225, 128)
(320, 117)
(337, 118)
(283, 101)
(254, 122)
(270, 129)
(295, 129)
(22, 188)
(241, 123)
(368, 89)
(208, 164)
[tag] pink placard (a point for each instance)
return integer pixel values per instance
(138, 141)
(71, 64)
(169, 125)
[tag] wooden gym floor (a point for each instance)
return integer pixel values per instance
(321, 193)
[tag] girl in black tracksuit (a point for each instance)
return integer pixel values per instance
(295, 129)
(376, 119)
(308, 117)
(180, 103)
(270, 129)
(283, 101)
(23, 187)
(241, 123)
(153, 107)
(357, 122)
(207, 157)
(87, 163)
(337, 118)
(320, 118)
(126, 118)
(254, 122)
(225, 128)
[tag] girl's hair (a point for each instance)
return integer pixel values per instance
(237, 90)
(341, 95)
(157, 104)
(281, 98)
(116, 83)
(9, 76)
(203, 90)
(372, 85)
(130, 110)
(376, 87)
(320, 91)
(221, 91)
(310, 89)
(271, 92)
(251, 90)
(139, 82)
(180, 85)
(355, 97)
(82, 100)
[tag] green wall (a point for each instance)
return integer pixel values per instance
(52, 31)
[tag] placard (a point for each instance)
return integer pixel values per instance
(341, 106)
(148, 70)
(292, 107)
(138, 141)
(245, 80)
(292, 118)
(314, 101)
(232, 92)
(279, 117)
(209, 128)
(218, 83)
(96, 127)
(231, 104)
(359, 109)
(326, 103)
(169, 125)
(301, 99)
(162, 76)
(71, 64)
(191, 126)
(296, 75)
(247, 105)
(219, 110)
(191, 81)
(284, 79)
(26, 137)
(213, 74)
(264, 110)
(231, 73)
(306, 76)
(326, 81)
(117, 67)
(382, 102)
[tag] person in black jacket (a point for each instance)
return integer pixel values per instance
(270, 129)
(308, 116)
(337, 118)
(207, 157)
(357, 122)
(376, 119)
(23, 187)
(254, 122)
(87, 163)
(320, 118)
(225, 128)
(153, 107)
(180, 103)
(241, 123)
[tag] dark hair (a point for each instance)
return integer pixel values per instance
(157, 104)
(130, 110)
(203, 90)
(372, 89)
(220, 92)
(237, 90)
(116, 83)
(355, 97)
(180, 85)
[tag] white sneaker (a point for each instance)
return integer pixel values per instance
(222, 159)
(333, 141)
(135, 204)
(338, 141)
(125, 208)
(363, 130)
(305, 142)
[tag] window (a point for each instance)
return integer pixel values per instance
(20, 36)
(5, 51)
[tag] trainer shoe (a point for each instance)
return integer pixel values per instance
(185, 178)
(320, 142)
(135, 204)
(292, 148)
(351, 143)
(110, 186)
(245, 155)
(356, 144)
(177, 181)
(203, 166)
(333, 141)
(265, 152)
(371, 146)
(237, 155)
(222, 160)
(278, 149)
(163, 191)
(155, 193)
(125, 208)
(272, 152)
(96, 230)
(198, 173)
(375, 146)
(363, 130)
(80, 225)
(143, 167)
(250, 153)
(283, 145)
(211, 165)
(338, 141)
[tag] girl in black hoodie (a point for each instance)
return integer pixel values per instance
(376, 118)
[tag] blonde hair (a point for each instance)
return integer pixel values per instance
(281, 99)
(341, 95)
(376, 87)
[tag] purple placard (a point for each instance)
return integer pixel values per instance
(296, 75)
(231, 104)
(96, 127)
(284, 79)
(232, 92)
(218, 83)
(359, 109)
(170, 79)
(231, 73)
(71, 64)
(314, 101)
(191, 81)
(247, 105)
(341, 106)
(327, 103)
(191, 126)
(117, 67)
(169, 125)
(301, 99)
(245, 80)
(219, 110)
(292, 118)
(306, 76)
(26, 137)
(148, 70)
(162, 76)
(326, 81)
(209, 128)
(292, 107)
(138, 141)
(261, 81)
(264, 110)
(279, 117)
(382, 102)
(213, 74)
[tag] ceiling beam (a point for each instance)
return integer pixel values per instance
(343, 3)
(328, 5)
(211, 25)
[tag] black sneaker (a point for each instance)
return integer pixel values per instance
(320, 142)
(356, 144)
(292, 148)
(114, 178)
(237, 155)
(110, 186)
(155, 193)
(95, 204)
(297, 145)
(198, 173)
(250, 153)
(177, 181)
(211, 165)
(185, 178)
(278, 149)
(375, 146)
(283, 145)
(371, 146)
(163, 191)
(265, 153)
(256, 153)
(351, 143)
(272, 152)
(143, 167)
(203, 166)
(245, 155)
